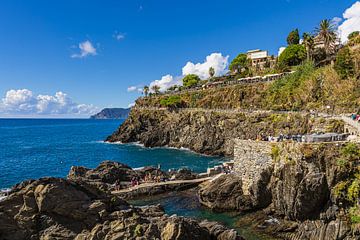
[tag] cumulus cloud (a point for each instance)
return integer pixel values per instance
(24, 102)
(131, 105)
(215, 60)
(86, 49)
(351, 21)
(165, 82)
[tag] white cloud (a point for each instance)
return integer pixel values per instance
(24, 102)
(336, 21)
(131, 105)
(215, 60)
(131, 88)
(165, 82)
(86, 49)
(119, 36)
(351, 22)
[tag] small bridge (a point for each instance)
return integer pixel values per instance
(149, 189)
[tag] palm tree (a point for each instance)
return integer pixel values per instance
(156, 89)
(309, 45)
(146, 90)
(326, 33)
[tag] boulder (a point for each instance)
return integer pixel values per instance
(224, 194)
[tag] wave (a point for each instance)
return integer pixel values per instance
(3, 193)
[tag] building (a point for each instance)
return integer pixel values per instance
(261, 59)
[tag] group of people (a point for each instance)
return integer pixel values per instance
(149, 178)
(355, 117)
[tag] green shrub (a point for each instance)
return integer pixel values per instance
(353, 191)
(275, 152)
(350, 151)
(191, 80)
(354, 213)
(344, 64)
(173, 101)
(340, 189)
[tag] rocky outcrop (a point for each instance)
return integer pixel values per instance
(53, 208)
(224, 194)
(300, 192)
(208, 132)
(107, 173)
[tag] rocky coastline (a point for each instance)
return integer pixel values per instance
(212, 132)
(82, 207)
(295, 197)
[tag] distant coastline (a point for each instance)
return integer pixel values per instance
(112, 113)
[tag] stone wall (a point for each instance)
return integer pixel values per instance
(251, 158)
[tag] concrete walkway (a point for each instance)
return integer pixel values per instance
(147, 185)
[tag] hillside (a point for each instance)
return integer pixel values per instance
(309, 88)
(112, 113)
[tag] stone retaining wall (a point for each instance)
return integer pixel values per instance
(250, 159)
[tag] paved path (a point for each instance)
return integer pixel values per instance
(147, 185)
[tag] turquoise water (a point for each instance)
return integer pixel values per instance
(33, 148)
(187, 204)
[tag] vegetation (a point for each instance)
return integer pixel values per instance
(327, 33)
(155, 89)
(353, 35)
(354, 213)
(241, 65)
(309, 45)
(293, 55)
(190, 80)
(293, 37)
(344, 64)
(172, 102)
(275, 152)
(211, 72)
(146, 90)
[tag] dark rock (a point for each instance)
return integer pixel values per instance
(224, 194)
(53, 208)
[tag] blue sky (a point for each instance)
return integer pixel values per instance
(39, 39)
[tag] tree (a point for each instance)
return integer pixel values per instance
(293, 37)
(240, 64)
(326, 33)
(190, 80)
(155, 89)
(172, 102)
(309, 45)
(353, 35)
(344, 64)
(146, 91)
(293, 55)
(211, 72)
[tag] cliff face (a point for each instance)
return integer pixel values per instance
(306, 188)
(210, 132)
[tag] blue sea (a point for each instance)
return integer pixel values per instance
(34, 148)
